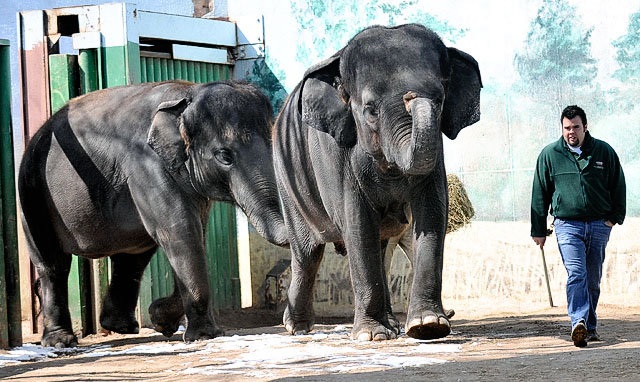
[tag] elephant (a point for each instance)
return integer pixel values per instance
(358, 151)
(122, 171)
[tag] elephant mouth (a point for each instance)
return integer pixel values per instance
(387, 169)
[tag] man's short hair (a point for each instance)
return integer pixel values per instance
(570, 112)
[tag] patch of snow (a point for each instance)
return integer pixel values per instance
(32, 352)
(319, 336)
(398, 361)
(144, 349)
(258, 355)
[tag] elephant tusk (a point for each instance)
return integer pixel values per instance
(410, 96)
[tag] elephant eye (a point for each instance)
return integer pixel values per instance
(224, 156)
(370, 113)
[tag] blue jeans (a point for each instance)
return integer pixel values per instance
(582, 246)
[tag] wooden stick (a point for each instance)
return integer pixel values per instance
(546, 276)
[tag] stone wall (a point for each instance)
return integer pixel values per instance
(492, 266)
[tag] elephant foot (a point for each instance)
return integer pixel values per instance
(166, 314)
(427, 325)
(297, 327)
(59, 339)
(203, 333)
(368, 329)
(123, 323)
(394, 323)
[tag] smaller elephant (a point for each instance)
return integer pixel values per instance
(121, 171)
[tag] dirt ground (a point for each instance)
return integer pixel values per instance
(503, 346)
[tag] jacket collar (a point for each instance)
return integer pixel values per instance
(587, 145)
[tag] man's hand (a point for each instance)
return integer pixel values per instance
(609, 224)
(539, 240)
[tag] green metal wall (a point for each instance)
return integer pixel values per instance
(10, 319)
(222, 254)
(154, 69)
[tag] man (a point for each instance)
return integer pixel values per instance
(581, 178)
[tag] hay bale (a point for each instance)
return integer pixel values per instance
(460, 207)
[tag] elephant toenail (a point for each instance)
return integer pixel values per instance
(430, 320)
(414, 322)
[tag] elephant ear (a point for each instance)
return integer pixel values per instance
(322, 105)
(165, 136)
(462, 102)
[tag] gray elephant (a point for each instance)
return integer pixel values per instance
(358, 150)
(121, 171)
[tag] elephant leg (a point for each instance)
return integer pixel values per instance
(426, 318)
(178, 223)
(404, 242)
(299, 316)
(167, 313)
(53, 273)
(386, 265)
(118, 308)
(187, 258)
(52, 266)
(361, 233)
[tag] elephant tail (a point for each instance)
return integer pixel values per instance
(37, 291)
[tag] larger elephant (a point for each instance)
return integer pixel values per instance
(358, 149)
(121, 171)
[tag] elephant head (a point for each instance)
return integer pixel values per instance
(393, 91)
(216, 138)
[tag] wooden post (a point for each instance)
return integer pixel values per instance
(34, 77)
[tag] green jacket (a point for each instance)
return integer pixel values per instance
(587, 188)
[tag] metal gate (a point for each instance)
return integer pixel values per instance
(117, 44)
(10, 320)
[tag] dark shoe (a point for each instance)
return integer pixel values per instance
(592, 335)
(579, 334)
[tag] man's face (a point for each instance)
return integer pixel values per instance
(573, 131)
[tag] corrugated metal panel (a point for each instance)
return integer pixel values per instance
(222, 258)
(154, 69)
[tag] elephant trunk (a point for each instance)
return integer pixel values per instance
(260, 203)
(271, 227)
(424, 148)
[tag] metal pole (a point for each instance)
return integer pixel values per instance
(546, 276)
